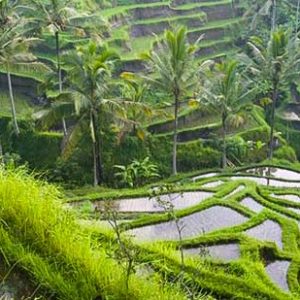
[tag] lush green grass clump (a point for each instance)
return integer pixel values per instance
(44, 239)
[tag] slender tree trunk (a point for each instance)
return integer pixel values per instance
(274, 15)
(176, 98)
(297, 19)
(97, 153)
(59, 74)
(1, 153)
(233, 8)
(12, 103)
(272, 121)
(224, 155)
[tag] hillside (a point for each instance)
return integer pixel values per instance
(149, 149)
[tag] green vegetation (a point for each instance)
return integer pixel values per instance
(149, 149)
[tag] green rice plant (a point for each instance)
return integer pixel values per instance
(47, 241)
(125, 253)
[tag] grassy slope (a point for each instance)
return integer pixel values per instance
(46, 241)
(70, 260)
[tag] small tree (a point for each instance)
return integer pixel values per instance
(168, 206)
(272, 66)
(227, 91)
(126, 253)
(172, 65)
(137, 173)
(59, 16)
(16, 57)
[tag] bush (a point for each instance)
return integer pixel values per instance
(286, 153)
(195, 156)
(236, 149)
(137, 173)
(39, 149)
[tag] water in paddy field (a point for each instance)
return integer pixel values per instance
(212, 184)
(290, 197)
(225, 252)
(237, 190)
(146, 204)
(268, 182)
(278, 173)
(252, 204)
(278, 272)
(207, 175)
(216, 217)
(295, 210)
(267, 231)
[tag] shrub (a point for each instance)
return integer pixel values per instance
(137, 173)
(286, 153)
(194, 156)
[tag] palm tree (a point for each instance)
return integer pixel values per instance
(172, 65)
(228, 92)
(58, 16)
(134, 89)
(297, 19)
(260, 9)
(15, 57)
(89, 79)
(273, 66)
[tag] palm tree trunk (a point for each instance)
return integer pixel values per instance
(59, 74)
(274, 14)
(297, 19)
(224, 145)
(176, 98)
(12, 103)
(233, 8)
(97, 153)
(224, 155)
(272, 121)
(1, 153)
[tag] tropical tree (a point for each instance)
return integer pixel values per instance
(273, 67)
(227, 91)
(134, 89)
(89, 79)
(16, 57)
(58, 16)
(172, 67)
(3, 12)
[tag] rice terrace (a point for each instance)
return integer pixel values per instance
(149, 149)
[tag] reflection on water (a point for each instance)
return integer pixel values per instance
(278, 173)
(290, 197)
(226, 252)
(267, 231)
(237, 190)
(212, 184)
(252, 204)
(146, 204)
(268, 182)
(213, 218)
(278, 272)
(207, 175)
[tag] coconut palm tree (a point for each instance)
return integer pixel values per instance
(15, 57)
(58, 16)
(229, 93)
(273, 66)
(172, 66)
(90, 82)
(134, 89)
(89, 78)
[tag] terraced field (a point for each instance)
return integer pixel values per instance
(240, 231)
(137, 24)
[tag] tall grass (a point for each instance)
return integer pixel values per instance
(47, 242)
